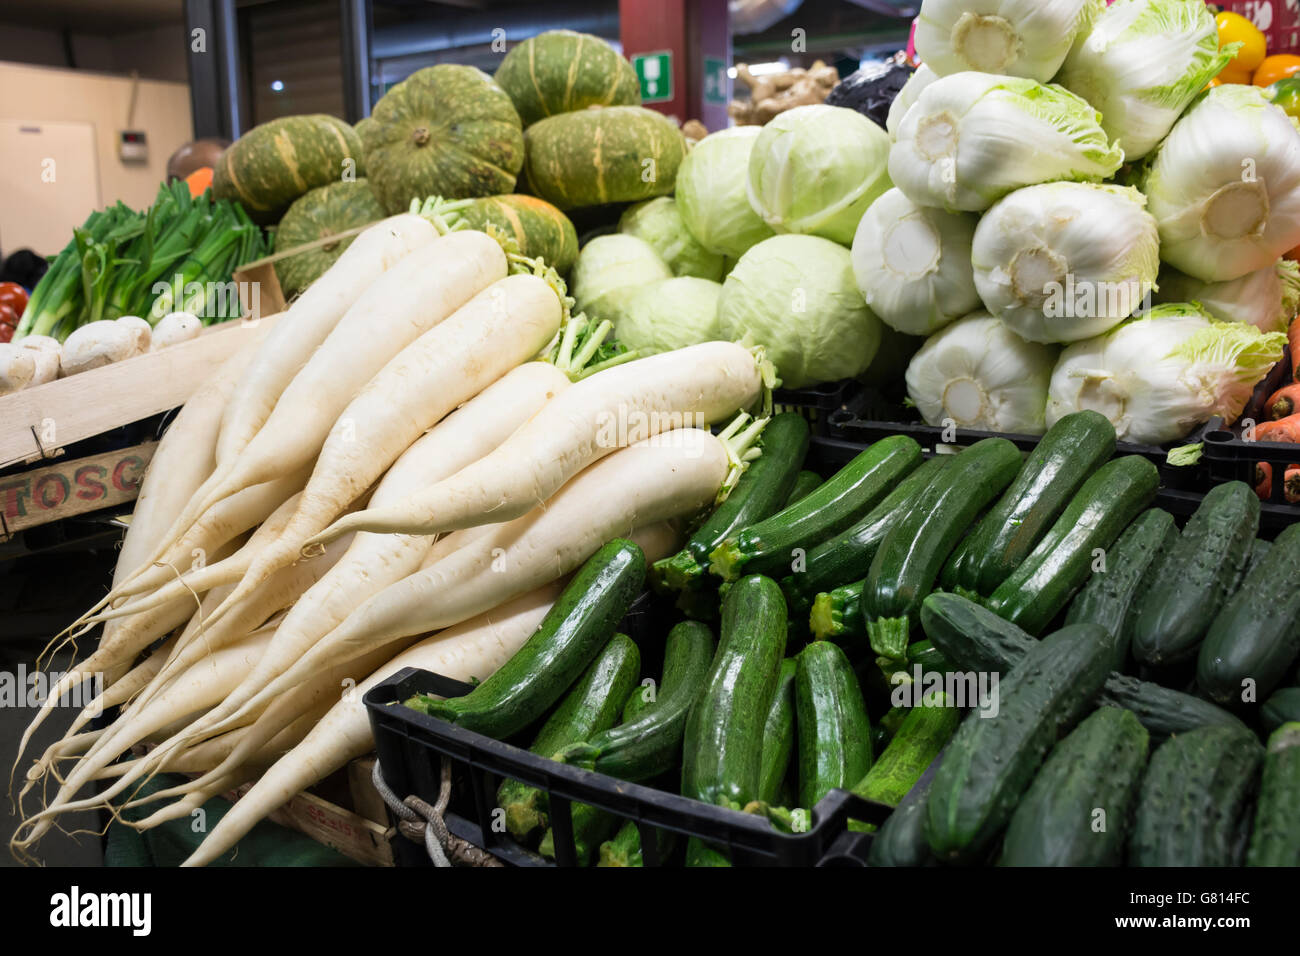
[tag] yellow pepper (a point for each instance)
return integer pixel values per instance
(1234, 28)
(1275, 68)
(1231, 74)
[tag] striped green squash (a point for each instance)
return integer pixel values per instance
(325, 211)
(538, 227)
(561, 71)
(604, 155)
(271, 165)
(447, 130)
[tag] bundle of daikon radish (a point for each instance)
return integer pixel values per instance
(388, 477)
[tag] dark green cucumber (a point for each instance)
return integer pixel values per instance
(1275, 839)
(1282, 707)
(723, 748)
(650, 745)
(805, 484)
(1077, 810)
(1108, 595)
(975, 639)
(847, 556)
(913, 553)
(568, 639)
(992, 759)
(1046, 580)
(1205, 566)
(926, 730)
(778, 735)
(590, 707)
(1255, 639)
(838, 614)
(1194, 805)
(901, 841)
(1258, 552)
(771, 546)
(1072, 449)
(761, 492)
(834, 731)
(624, 848)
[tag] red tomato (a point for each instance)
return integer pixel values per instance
(13, 295)
(8, 322)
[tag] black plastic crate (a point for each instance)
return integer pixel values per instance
(816, 404)
(412, 746)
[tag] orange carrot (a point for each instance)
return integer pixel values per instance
(1263, 480)
(1282, 430)
(1284, 402)
(1291, 484)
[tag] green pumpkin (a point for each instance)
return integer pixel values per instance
(447, 131)
(271, 165)
(561, 71)
(538, 227)
(603, 155)
(325, 211)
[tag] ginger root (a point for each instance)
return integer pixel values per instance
(772, 95)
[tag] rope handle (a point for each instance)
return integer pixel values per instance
(421, 822)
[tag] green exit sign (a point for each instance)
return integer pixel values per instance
(654, 71)
(715, 80)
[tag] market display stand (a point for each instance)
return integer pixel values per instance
(38, 425)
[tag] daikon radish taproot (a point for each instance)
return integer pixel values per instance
(310, 319)
(421, 290)
(665, 477)
(496, 331)
(694, 386)
(472, 649)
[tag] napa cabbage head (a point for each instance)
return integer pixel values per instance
(1142, 63)
(1159, 376)
(977, 373)
(796, 297)
(1062, 262)
(815, 169)
(1267, 298)
(1028, 38)
(1224, 186)
(913, 264)
(971, 138)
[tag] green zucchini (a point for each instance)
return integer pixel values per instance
(590, 707)
(847, 556)
(976, 639)
(1204, 567)
(928, 656)
(1256, 637)
(568, 639)
(591, 826)
(723, 747)
(992, 759)
(834, 731)
(926, 730)
(642, 697)
(1046, 580)
(772, 545)
(1108, 595)
(624, 848)
(778, 735)
(838, 614)
(761, 492)
(1275, 839)
(1077, 810)
(1072, 449)
(699, 853)
(1282, 707)
(650, 745)
(1194, 805)
(913, 553)
(805, 484)
(901, 840)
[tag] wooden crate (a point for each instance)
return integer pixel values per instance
(36, 423)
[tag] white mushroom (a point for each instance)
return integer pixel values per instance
(98, 344)
(45, 350)
(17, 366)
(174, 328)
(142, 330)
